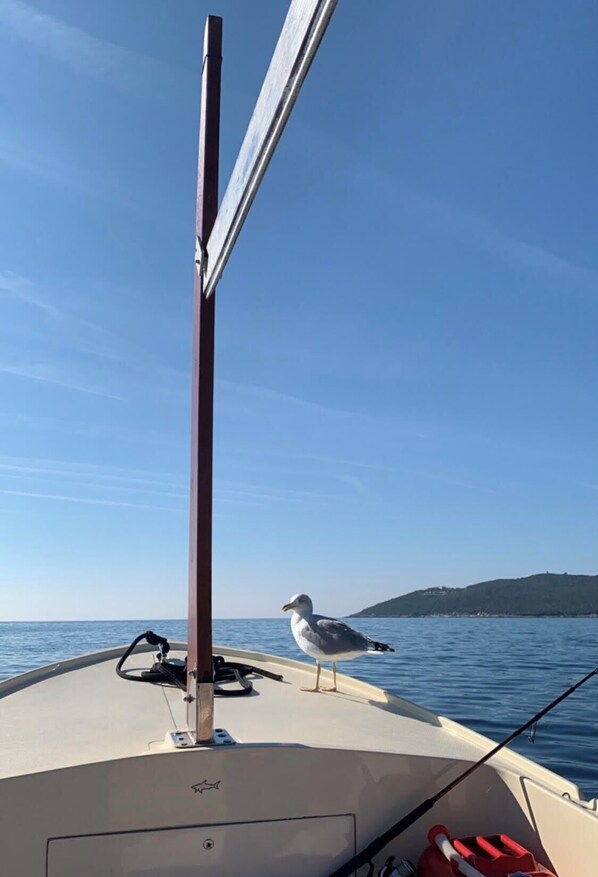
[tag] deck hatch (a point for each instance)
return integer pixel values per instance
(313, 846)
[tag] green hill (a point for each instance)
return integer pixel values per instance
(543, 594)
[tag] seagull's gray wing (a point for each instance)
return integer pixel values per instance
(334, 637)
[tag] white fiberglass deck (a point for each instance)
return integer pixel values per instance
(81, 712)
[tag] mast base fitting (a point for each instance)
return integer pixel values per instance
(186, 740)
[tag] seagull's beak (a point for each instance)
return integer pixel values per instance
(288, 606)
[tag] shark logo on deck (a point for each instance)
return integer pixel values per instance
(205, 786)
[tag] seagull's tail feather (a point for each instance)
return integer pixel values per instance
(380, 647)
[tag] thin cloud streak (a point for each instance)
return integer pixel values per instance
(34, 374)
(86, 54)
(91, 429)
(275, 494)
(427, 472)
(474, 227)
(19, 151)
(86, 500)
(22, 289)
(267, 393)
(454, 220)
(270, 395)
(94, 485)
(25, 466)
(357, 485)
(336, 461)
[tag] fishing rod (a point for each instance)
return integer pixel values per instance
(367, 854)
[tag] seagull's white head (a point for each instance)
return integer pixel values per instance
(301, 604)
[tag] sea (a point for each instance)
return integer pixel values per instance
(490, 674)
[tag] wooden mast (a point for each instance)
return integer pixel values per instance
(216, 233)
(200, 682)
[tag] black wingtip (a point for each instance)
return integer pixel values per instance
(382, 647)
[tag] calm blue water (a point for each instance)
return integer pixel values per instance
(488, 673)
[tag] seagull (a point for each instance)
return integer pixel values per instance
(327, 639)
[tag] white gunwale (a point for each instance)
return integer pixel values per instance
(462, 739)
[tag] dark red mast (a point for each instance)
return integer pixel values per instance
(216, 232)
(200, 683)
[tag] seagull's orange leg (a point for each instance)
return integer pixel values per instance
(317, 688)
(333, 686)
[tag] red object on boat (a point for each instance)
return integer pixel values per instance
(493, 855)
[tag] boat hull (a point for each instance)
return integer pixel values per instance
(264, 807)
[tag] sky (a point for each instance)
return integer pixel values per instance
(406, 363)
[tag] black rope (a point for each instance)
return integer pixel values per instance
(166, 672)
(154, 640)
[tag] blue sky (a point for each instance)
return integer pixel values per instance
(407, 365)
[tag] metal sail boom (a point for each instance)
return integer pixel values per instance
(297, 45)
